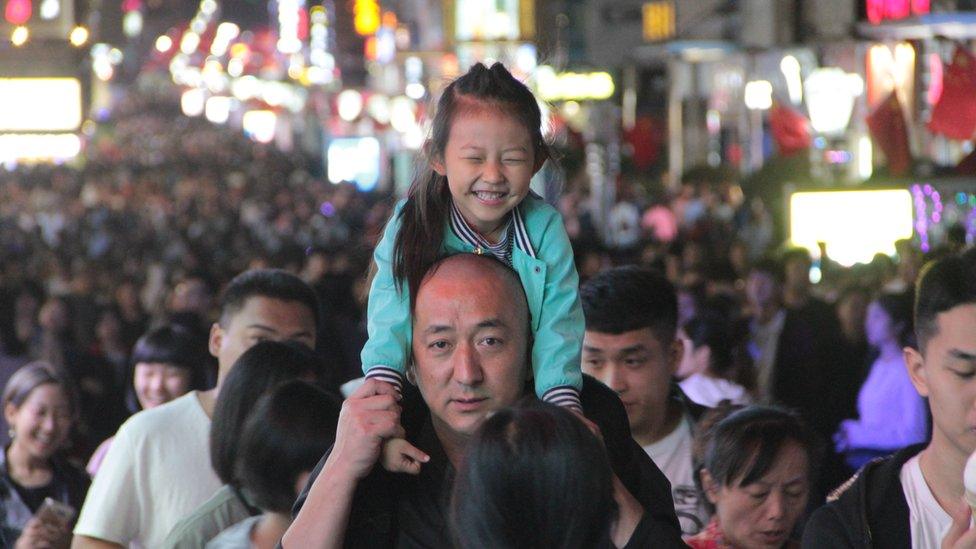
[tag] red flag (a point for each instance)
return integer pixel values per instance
(955, 114)
(888, 130)
(790, 129)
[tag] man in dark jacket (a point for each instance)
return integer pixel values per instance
(470, 347)
(915, 498)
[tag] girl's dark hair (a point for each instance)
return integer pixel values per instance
(169, 344)
(418, 241)
(741, 447)
(533, 476)
(288, 432)
(259, 370)
(898, 307)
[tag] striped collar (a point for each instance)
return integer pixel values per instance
(515, 229)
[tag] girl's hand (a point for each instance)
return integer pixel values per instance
(39, 534)
(399, 456)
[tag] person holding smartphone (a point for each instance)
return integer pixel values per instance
(39, 489)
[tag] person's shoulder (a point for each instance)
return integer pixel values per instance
(173, 416)
(222, 510)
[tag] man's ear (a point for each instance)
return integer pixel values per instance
(709, 486)
(915, 364)
(216, 338)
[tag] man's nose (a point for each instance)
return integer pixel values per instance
(467, 365)
(615, 378)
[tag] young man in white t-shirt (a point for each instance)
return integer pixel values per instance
(630, 345)
(915, 498)
(159, 469)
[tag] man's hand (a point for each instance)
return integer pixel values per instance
(960, 535)
(369, 416)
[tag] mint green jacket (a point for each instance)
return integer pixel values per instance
(551, 288)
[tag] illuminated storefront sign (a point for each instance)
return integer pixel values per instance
(40, 104)
(861, 223)
(566, 86)
(658, 21)
(891, 10)
(487, 20)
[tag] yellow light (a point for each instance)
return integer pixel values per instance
(19, 36)
(40, 104)
(239, 50)
(78, 36)
(854, 224)
(573, 86)
(658, 21)
(366, 17)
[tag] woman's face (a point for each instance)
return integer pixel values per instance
(159, 382)
(42, 422)
(877, 325)
(762, 514)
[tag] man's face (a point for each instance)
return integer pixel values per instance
(638, 367)
(946, 374)
(260, 319)
(762, 289)
(470, 342)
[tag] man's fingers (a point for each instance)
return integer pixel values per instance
(399, 456)
(373, 387)
(376, 402)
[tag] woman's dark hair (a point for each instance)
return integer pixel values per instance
(169, 344)
(260, 369)
(713, 330)
(740, 448)
(533, 476)
(898, 307)
(286, 435)
(418, 241)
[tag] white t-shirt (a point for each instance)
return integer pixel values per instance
(672, 454)
(928, 519)
(156, 472)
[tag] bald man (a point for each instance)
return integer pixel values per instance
(470, 357)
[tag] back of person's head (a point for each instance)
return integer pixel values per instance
(269, 283)
(173, 345)
(533, 476)
(713, 330)
(630, 298)
(260, 369)
(285, 436)
(428, 200)
(943, 285)
(741, 447)
(898, 307)
(31, 376)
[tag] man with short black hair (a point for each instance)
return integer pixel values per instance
(158, 468)
(915, 498)
(630, 345)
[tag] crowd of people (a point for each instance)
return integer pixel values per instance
(184, 315)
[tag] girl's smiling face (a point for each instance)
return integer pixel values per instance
(42, 422)
(489, 161)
